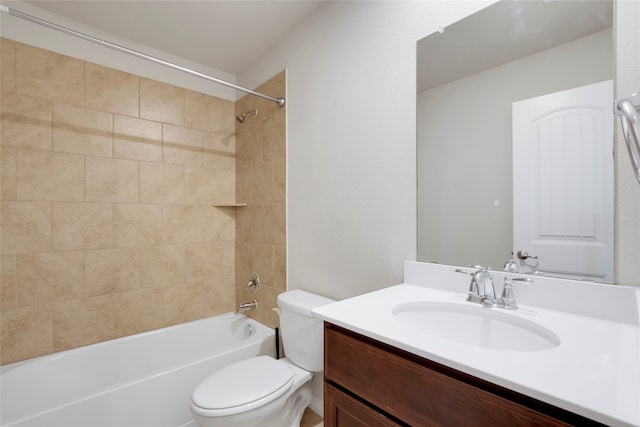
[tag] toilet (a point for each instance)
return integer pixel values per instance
(263, 391)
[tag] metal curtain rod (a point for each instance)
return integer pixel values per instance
(627, 109)
(26, 17)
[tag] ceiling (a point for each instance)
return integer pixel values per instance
(503, 32)
(225, 35)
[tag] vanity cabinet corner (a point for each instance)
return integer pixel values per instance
(370, 384)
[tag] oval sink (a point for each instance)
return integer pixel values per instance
(476, 326)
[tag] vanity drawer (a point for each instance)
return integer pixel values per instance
(419, 392)
(342, 410)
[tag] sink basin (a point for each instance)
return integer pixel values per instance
(476, 326)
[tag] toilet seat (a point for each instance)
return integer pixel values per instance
(242, 386)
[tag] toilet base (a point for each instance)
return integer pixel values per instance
(294, 414)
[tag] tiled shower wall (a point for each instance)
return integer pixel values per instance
(261, 178)
(107, 225)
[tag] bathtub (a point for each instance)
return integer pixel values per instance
(136, 381)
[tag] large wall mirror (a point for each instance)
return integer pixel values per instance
(470, 75)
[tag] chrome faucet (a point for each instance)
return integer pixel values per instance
(481, 289)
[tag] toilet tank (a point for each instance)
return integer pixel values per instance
(302, 333)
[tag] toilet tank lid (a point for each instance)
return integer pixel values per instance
(301, 302)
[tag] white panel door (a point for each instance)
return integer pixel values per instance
(563, 182)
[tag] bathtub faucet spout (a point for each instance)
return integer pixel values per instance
(248, 306)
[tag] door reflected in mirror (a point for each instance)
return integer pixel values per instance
(469, 77)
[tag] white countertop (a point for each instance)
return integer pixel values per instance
(594, 372)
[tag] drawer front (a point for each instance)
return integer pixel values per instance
(416, 394)
(342, 410)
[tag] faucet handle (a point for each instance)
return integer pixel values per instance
(508, 298)
(473, 294)
(253, 285)
(511, 266)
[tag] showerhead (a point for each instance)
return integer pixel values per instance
(241, 117)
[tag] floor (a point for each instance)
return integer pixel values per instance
(311, 419)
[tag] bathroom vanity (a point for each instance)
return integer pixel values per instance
(404, 355)
(369, 383)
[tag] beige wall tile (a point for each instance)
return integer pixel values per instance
(161, 183)
(229, 186)
(228, 275)
(183, 224)
(49, 176)
(274, 138)
(245, 224)
(111, 90)
(161, 102)
(243, 264)
(279, 180)
(137, 139)
(203, 261)
(83, 321)
(81, 130)
(244, 177)
(49, 75)
(216, 144)
(254, 151)
(47, 277)
(221, 297)
(280, 268)
(219, 224)
(261, 224)
(111, 271)
(228, 119)
(109, 277)
(111, 180)
(138, 311)
(7, 65)
(184, 302)
(25, 227)
(82, 226)
(262, 262)
(269, 302)
(8, 281)
(182, 146)
(26, 122)
(277, 231)
(204, 112)
(263, 182)
(8, 173)
(219, 160)
(26, 332)
(161, 266)
(137, 225)
(245, 133)
(225, 163)
(202, 186)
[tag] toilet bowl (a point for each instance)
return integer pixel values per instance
(262, 391)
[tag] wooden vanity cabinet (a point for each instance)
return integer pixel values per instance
(370, 384)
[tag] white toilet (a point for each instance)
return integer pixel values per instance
(262, 391)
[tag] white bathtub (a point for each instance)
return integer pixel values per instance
(140, 380)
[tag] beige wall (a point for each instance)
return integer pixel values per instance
(107, 227)
(261, 178)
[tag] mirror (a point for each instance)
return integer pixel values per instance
(469, 74)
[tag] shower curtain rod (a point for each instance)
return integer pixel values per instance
(33, 19)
